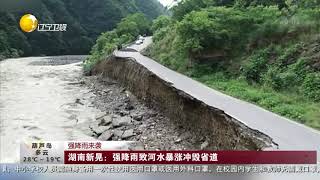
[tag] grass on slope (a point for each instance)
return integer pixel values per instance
(289, 105)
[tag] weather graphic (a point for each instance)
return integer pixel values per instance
(28, 23)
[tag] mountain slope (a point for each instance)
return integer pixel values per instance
(267, 55)
(85, 20)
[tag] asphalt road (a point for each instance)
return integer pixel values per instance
(288, 134)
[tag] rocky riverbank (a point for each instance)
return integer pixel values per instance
(125, 118)
(211, 127)
(49, 99)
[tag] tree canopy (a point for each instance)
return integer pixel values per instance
(126, 31)
(263, 51)
(85, 19)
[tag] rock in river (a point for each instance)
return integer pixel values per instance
(122, 121)
(107, 135)
(127, 134)
(106, 120)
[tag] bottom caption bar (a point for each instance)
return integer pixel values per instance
(190, 157)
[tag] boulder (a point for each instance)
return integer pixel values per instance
(107, 135)
(99, 129)
(204, 145)
(127, 134)
(137, 116)
(100, 115)
(122, 121)
(118, 133)
(106, 120)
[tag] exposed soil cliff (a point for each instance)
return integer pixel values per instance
(214, 127)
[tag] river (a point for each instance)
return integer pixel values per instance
(41, 99)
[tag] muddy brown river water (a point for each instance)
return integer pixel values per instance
(38, 101)
(48, 98)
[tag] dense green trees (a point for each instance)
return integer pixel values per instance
(246, 3)
(134, 25)
(304, 3)
(86, 20)
(186, 6)
(266, 52)
(161, 22)
(221, 28)
(152, 8)
(126, 31)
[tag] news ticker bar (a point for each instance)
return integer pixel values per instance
(190, 157)
(14, 169)
(118, 152)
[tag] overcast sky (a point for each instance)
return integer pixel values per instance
(166, 2)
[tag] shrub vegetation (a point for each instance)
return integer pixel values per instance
(264, 52)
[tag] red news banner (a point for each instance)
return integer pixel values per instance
(190, 157)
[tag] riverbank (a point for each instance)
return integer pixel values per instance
(49, 99)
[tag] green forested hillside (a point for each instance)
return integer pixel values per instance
(86, 19)
(265, 52)
(126, 31)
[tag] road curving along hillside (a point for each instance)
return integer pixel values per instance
(285, 134)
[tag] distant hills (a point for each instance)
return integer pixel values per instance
(85, 20)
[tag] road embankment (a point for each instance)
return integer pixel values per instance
(217, 129)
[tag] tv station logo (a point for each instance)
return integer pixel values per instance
(29, 23)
